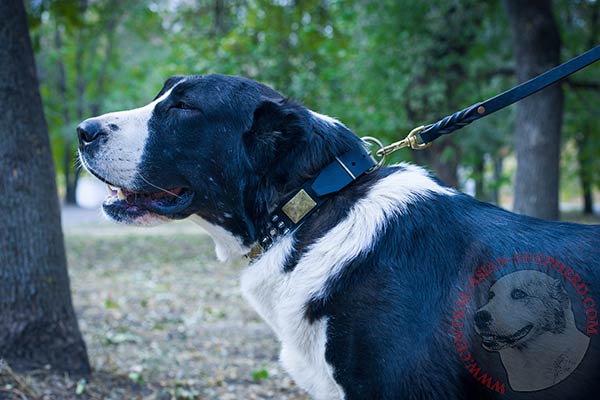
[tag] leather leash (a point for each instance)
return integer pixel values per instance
(422, 137)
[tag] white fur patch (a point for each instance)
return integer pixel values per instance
(281, 297)
(325, 118)
(226, 244)
(118, 158)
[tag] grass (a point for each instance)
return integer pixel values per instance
(162, 319)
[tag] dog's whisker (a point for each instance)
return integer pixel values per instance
(76, 163)
(158, 187)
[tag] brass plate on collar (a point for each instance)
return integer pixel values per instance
(298, 206)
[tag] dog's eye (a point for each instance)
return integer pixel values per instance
(182, 106)
(518, 294)
(491, 295)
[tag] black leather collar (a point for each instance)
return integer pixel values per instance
(294, 210)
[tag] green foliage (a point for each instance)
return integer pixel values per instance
(260, 375)
(109, 303)
(381, 67)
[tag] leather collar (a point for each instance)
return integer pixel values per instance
(292, 212)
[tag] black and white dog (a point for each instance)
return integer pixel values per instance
(373, 295)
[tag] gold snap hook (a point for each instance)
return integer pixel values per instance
(412, 138)
(409, 141)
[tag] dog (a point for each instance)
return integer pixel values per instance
(360, 291)
(529, 321)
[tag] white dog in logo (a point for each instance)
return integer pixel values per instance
(528, 319)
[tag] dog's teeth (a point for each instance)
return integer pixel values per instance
(120, 194)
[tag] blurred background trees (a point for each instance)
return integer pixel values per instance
(381, 67)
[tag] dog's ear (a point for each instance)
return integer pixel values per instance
(169, 83)
(276, 125)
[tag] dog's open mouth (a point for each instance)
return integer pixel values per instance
(121, 202)
(497, 342)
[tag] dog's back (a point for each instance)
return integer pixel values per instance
(400, 315)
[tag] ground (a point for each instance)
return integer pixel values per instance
(162, 319)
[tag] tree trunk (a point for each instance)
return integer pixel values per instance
(536, 44)
(37, 321)
(61, 86)
(495, 193)
(480, 178)
(218, 27)
(586, 167)
(585, 170)
(95, 106)
(73, 169)
(588, 198)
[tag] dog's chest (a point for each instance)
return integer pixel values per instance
(280, 299)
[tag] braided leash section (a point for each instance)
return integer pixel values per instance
(452, 122)
(421, 137)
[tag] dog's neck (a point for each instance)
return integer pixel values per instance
(545, 360)
(327, 158)
(306, 200)
(324, 141)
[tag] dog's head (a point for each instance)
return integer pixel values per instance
(521, 306)
(221, 147)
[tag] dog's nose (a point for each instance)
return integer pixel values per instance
(483, 319)
(88, 131)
